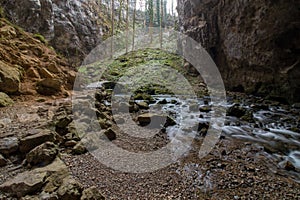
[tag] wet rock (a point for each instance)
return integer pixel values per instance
(24, 183)
(10, 78)
(143, 105)
(91, 193)
(3, 161)
(164, 101)
(30, 142)
(5, 100)
(49, 86)
(70, 190)
(296, 105)
(205, 109)
(156, 120)
(79, 148)
(194, 107)
(110, 134)
(43, 154)
(236, 111)
(9, 145)
(143, 96)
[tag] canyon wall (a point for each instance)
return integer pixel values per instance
(73, 28)
(255, 43)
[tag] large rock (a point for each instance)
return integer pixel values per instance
(49, 86)
(32, 141)
(72, 27)
(253, 42)
(10, 78)
(155, 120)
(70, 190)
(24, 183)
(43, 154)
(48, 179)
(91, 194)
(9, 145)
(5, 100)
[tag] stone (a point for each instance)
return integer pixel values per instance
(236, 111)
(49, 86)
(32, 73)
(110, 134)
(156, 120)
(92, 193)
(57, 172)
(79, 148)
(63, 121)
(30, 142)
(70, 190)
(44, 73)
(9, 145)
(10, 78)
(205, 109)
(43, 154)
(70, 143)
(142, 105)
(3, 161)
(5, 100)
(24, 183)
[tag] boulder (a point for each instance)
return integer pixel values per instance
(156, 120)
(79, 148)
(143, 105)
(30, 142)
(49, 86)
(57, 172)
(24, 183)
(110, 134)
(91, 194)
(5, 100)
(42, 155)
(10, 78)
(70, 190)
(9, 145)
(236, 111)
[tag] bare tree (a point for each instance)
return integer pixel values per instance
(127, 24)
(112, 27)
(133, 27)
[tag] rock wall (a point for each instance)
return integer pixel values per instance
(72, 27)
(255, 43)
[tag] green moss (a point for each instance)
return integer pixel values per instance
(40, 38)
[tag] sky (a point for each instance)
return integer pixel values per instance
(141, 5)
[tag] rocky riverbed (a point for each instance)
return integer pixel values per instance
(255, 157)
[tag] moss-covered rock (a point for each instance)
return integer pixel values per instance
(5, 100)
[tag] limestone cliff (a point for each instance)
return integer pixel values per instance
(255, 43)
(72, 27)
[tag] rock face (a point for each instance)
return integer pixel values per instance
(71, 27)
(26, 60)
(254, 43)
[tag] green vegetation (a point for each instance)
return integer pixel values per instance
(40, 38)
(144, 66)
